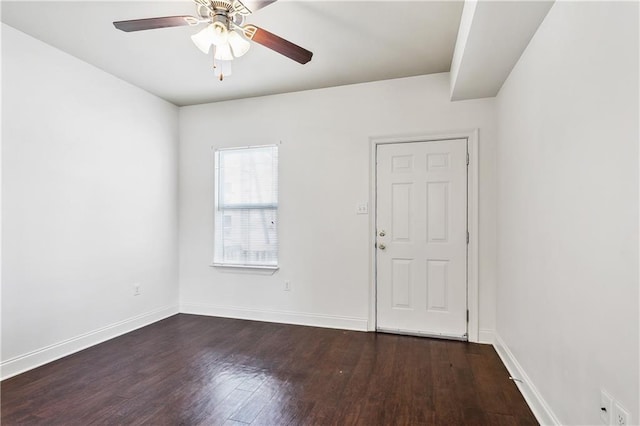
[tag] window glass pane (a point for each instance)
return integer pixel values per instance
(246, 207)
(247, 176)
(253, 239)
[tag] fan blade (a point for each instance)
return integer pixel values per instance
(252, 5)
(277, 43)
(153, 23)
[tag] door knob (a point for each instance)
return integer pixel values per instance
(382, 246)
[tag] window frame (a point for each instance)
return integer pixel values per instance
(263, 206)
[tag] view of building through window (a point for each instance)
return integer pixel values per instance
(246, 210)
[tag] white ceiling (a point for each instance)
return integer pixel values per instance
(352, 42)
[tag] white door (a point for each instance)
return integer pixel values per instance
(421, 255)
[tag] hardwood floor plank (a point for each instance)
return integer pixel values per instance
(196, 370)
(234, 423)
(252, 407)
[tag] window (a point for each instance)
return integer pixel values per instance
(246, 207)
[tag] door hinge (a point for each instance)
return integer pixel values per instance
(467, 158)
(467, 237)
(467, 315)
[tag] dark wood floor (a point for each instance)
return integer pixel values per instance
(192, 370)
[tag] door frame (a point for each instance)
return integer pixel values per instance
(472, 219)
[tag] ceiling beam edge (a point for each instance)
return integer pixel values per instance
(491, 39)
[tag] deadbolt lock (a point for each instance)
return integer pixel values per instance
(382, 233)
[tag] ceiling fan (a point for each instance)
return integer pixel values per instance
(225, 31)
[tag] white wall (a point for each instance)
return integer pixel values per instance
(567, 306)
(89, 193)
(324, 174)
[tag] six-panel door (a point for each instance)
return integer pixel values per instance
(421, 258)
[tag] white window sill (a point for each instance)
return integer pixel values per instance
(245, 268)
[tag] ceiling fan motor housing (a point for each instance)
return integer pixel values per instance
(221, 4)
(220, 18)
(223, 13)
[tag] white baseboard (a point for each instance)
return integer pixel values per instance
(486, 336)
(31, 360)
(536, 402)
(297, 318)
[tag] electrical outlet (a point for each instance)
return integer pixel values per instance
(362, 208)
(287, 286)
(136, 289)
(606, 407)
(620, 415)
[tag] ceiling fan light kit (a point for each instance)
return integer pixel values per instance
(238, 44)
(223, 53)
(202, 40)
(221, 68)
(224, 31)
